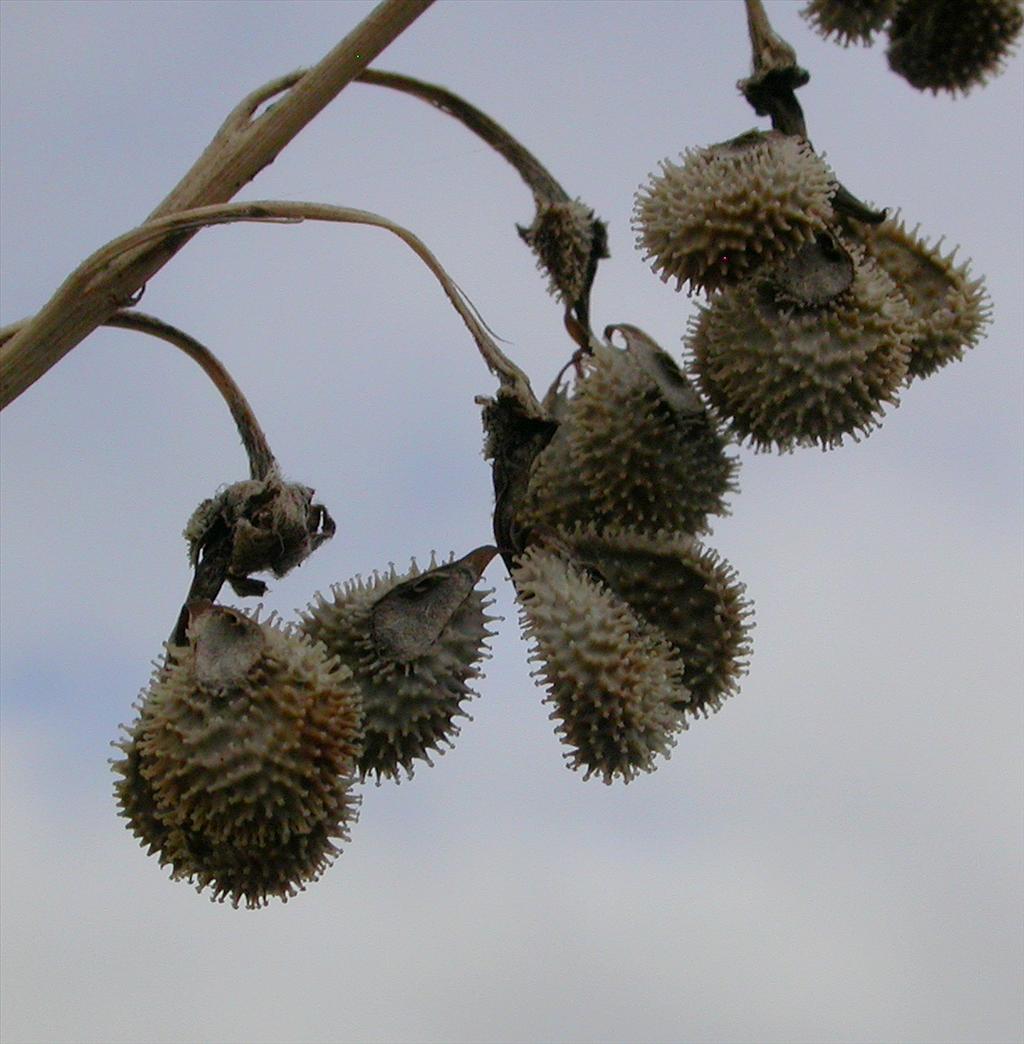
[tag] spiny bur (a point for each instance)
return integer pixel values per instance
(614, 682)
(952, 45)
(785, 375)
(849, 21)
(635, 447)
(685, 590)
(413, 641)
(568, 240)
(949, 309)
(730, 208)
(239, 766)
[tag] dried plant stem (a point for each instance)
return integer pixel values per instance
(530, 169)
(771, 90)
(771, 87)
(261, 459)
(242, 147)
(82, 284)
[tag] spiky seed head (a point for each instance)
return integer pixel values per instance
(568, 240)
(273, 526)
(239, 767)
(688, 592)
(413, 641)
(614, 681)
(950, 310)
(635, 447)
(849, 21)
(786, 377)
(732, 207)
(952, 45)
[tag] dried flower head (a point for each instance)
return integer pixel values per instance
(950, 310)
(635, 447)
(239, 766)
(413, 641)
(785, 376)
(688, 592)
(952, 45)
(568, 241)
(731, 207)
(849, 21)
(614, 681)
(273, 526)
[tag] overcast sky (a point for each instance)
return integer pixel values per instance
(835, 856)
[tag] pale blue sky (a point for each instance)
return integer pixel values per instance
(836, 856)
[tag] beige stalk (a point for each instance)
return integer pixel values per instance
(244, 145)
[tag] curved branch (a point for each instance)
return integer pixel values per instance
(254, 441)
(90, 280)
(257, 449)
(234, 157)
(530, 169)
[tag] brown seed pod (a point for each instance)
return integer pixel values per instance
(686, 591)
(952, 45)
(635, 447)
(849, 21)
(785, 376)
(949, 309)
(614, 682)
(274, 526)
(568, 241)
(239, 766)
(413, 642)
(732, 207)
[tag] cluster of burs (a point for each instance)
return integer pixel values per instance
(240, 768)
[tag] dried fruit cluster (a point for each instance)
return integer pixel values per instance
(240, 768)
(635, 626)
(815, 318)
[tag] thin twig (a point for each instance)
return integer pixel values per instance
(261, 459)
(537, 177)
(573, 286)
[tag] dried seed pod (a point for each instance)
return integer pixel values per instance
(239, 766)
(952, 45)
(635, 447)
(685, 590)
(732, 207)
(413, 641)
(274, 526)
(614, 682)
(785, 376)
(950, 310)
(849, 21)
(514, 437)
(568, 241)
